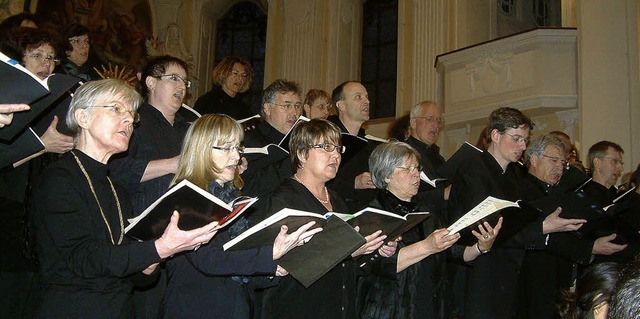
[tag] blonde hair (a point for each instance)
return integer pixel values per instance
(196, 163)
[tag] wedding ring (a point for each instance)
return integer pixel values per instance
(486, 236)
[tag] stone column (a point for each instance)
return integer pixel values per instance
(608, 90)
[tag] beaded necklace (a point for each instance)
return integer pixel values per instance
(100, 206)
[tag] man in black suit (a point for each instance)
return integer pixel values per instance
(491, 282)
(425, 125)
(281, 107)
(545, 273)
(605, 162)
(353, 180)
(424, 130)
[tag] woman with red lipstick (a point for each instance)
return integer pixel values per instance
(210, 282)
(231, 76)
(87, 266)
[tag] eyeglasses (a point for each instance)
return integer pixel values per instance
(615, 160)
(238, 73)
(229, 149)
(431, 119)
(410, 169)
(518, 138)
(330, 147)
(121, 110)
(557, 160)
(41, 58)
(289, 106)
(79, 41)
(174, 78)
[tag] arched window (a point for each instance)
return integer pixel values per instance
(379, 55)
(242, 32)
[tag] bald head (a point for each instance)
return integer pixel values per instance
(426, 122)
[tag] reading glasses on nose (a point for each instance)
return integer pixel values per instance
(410, 169)
(289, 106)
(229, 149)
(518, 138)
(556, 160)
(121, 110)
(41, 58)
(330, 147)
(174, 78)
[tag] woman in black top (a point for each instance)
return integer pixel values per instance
(231, 76)
(411, 284)
(87, 265)
(211, 282)
(316, 153)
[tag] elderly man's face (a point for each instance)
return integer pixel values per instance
(549, 166)
(426, 126)
(355, 105)
(284, 111)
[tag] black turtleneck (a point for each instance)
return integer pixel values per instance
(83, 273)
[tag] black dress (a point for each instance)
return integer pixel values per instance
(333, 295)
(83, 274)
(419, 290)
(218, 101)
(213, 283)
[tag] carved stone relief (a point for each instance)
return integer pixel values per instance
(491, 73)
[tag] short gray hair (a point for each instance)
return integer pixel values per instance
(90, 93)
(281, 86)
(386, 157)
(416, 110)
(538, 145)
